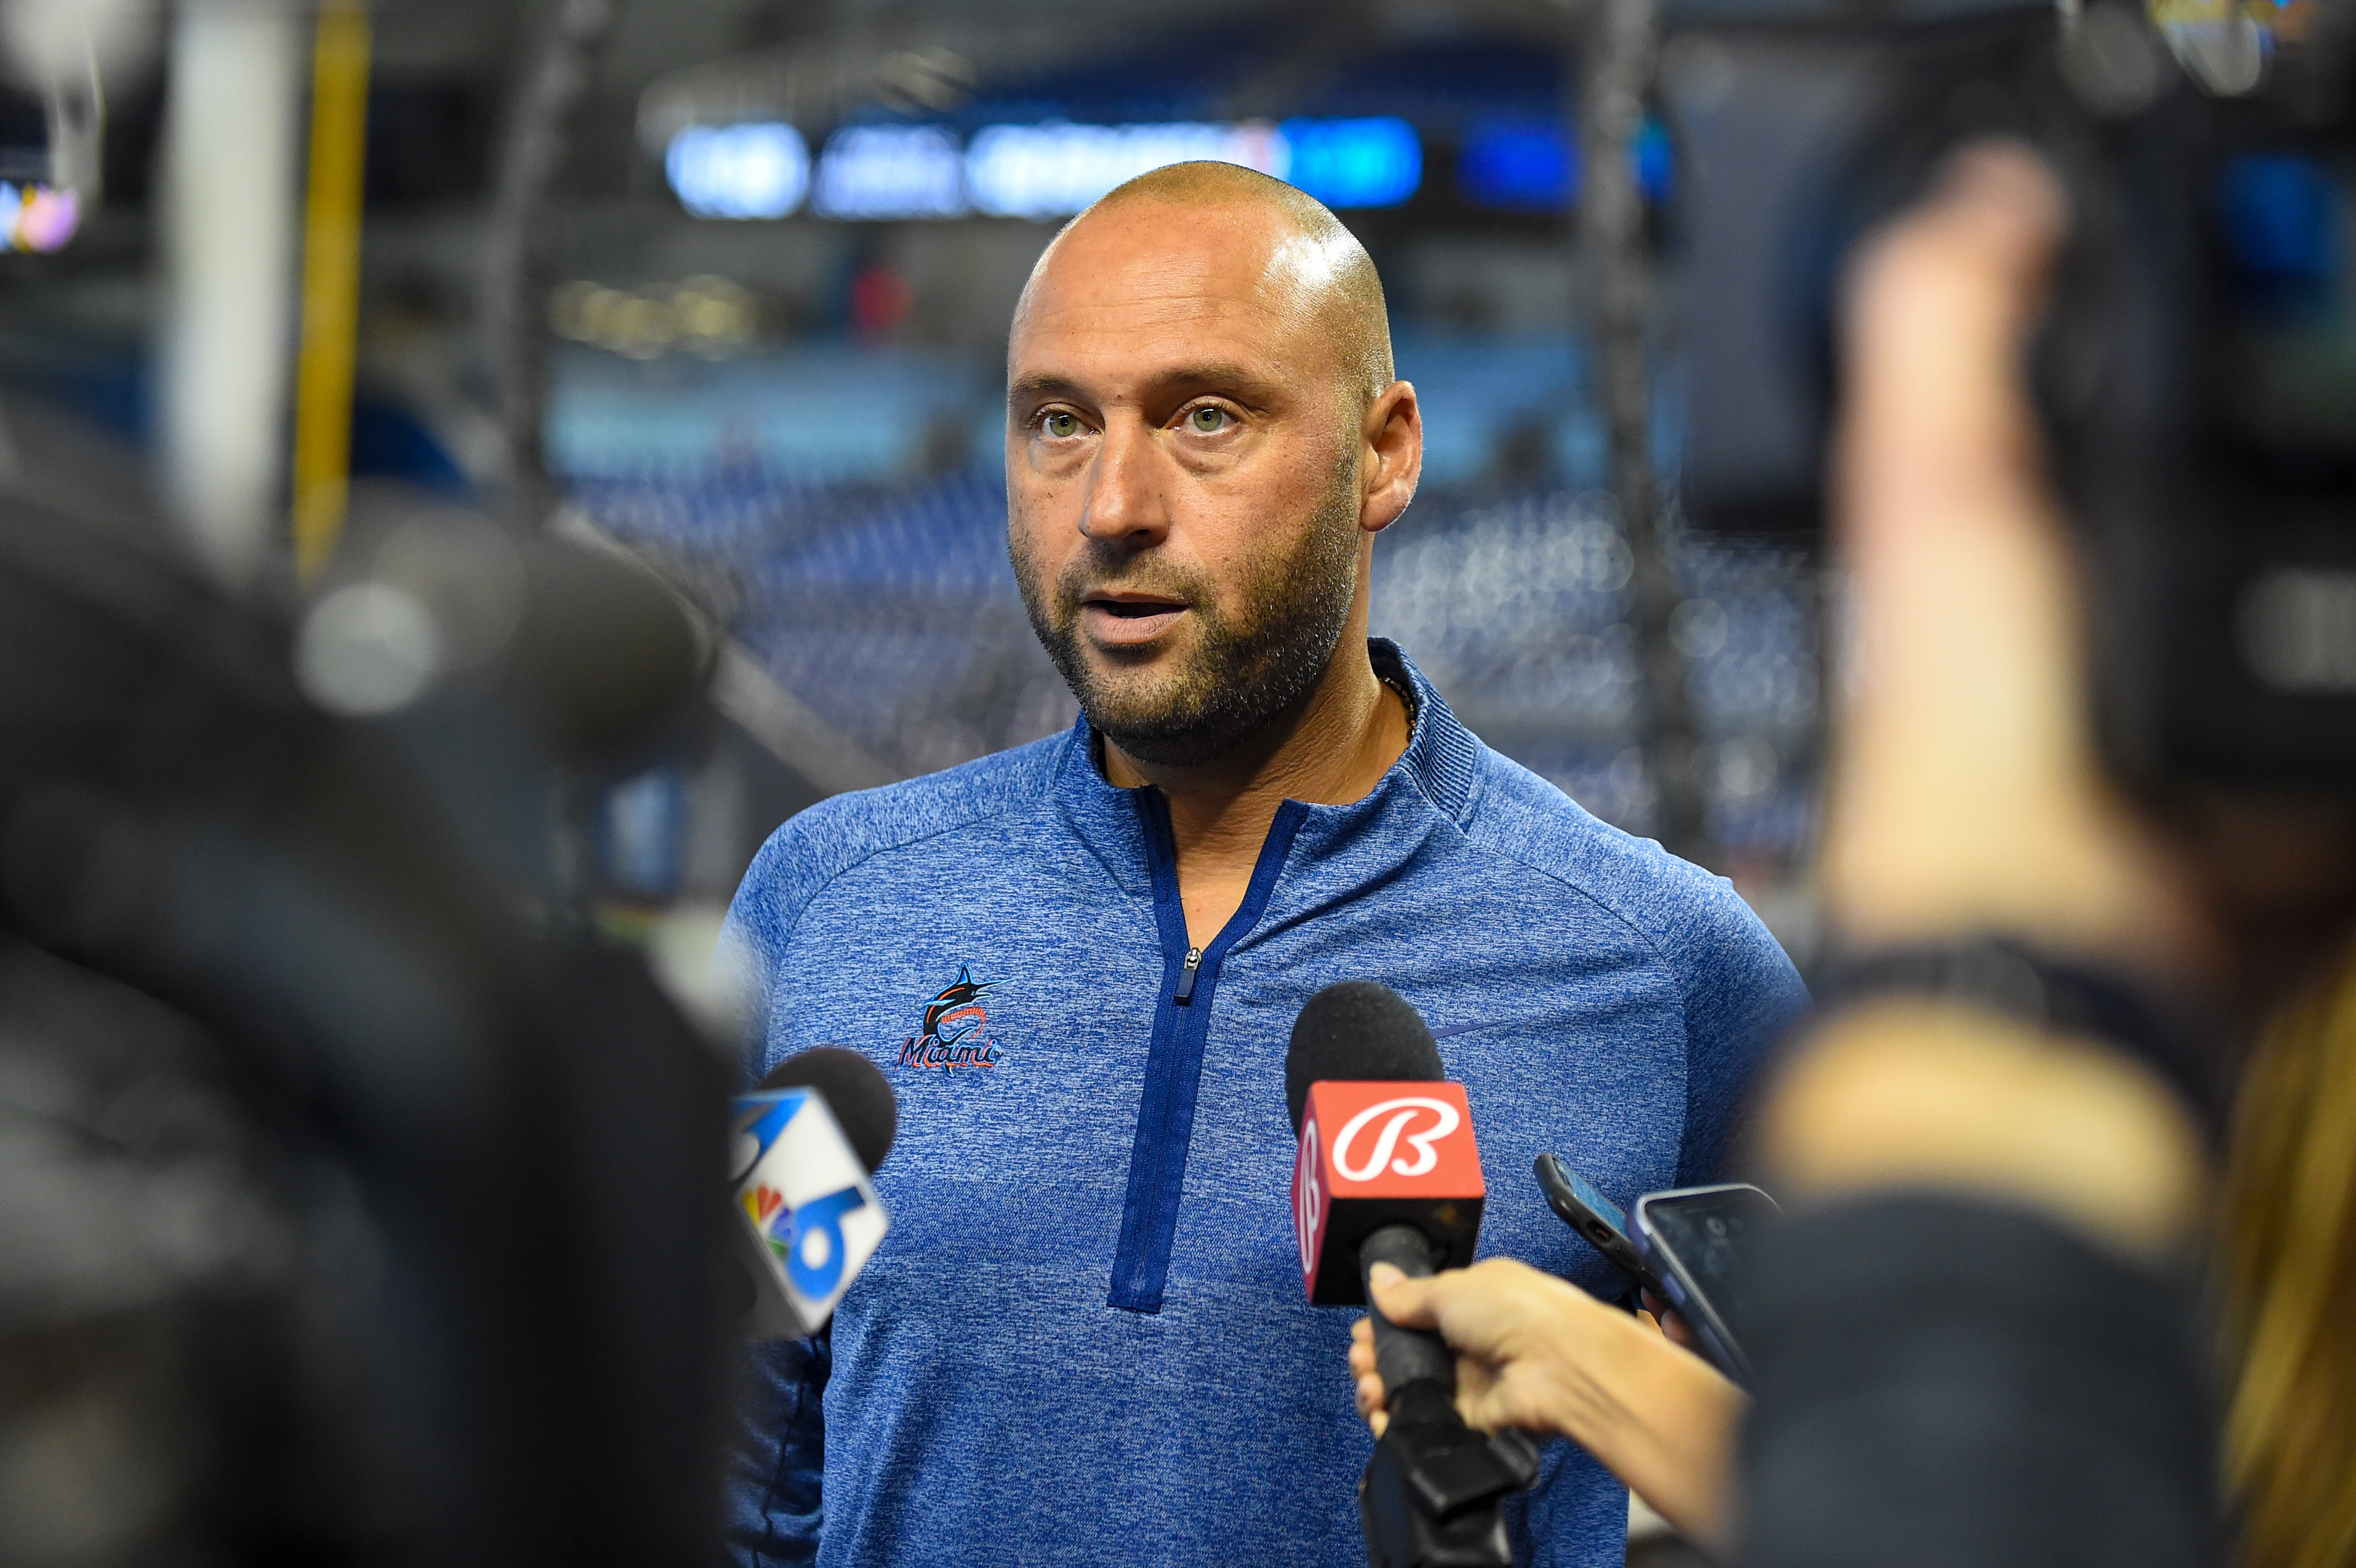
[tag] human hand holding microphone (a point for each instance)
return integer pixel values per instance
(1537, 1354)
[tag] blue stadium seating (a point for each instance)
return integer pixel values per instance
(891, 611)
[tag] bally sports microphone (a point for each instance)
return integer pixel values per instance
(807, 1217)
(1386, 1172)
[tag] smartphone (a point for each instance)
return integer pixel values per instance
(1577, 1204)
(1696, 1240)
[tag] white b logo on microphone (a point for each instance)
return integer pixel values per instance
(1401, 1112)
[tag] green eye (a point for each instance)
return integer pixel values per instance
(1061, 424)
(1207, 420)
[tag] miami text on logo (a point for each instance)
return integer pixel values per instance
(1401, 1113)
(953, 1025)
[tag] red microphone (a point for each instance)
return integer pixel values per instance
(1386, 1172)
(1375, 1154)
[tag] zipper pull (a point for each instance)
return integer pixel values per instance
(1185, 996)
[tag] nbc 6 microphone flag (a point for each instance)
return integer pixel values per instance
(803, 1192)
(1378, 1154)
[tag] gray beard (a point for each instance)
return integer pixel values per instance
(1241, 675)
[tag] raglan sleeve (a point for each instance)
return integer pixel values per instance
(1741, 994)
(777, 1456)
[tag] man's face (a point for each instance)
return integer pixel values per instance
(1181, 466)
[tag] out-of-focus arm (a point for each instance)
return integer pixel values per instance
(1972, 1340)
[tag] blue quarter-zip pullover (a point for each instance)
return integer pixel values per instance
(1084, 1340)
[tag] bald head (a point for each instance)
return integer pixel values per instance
(1202, 437)
(1310, 266)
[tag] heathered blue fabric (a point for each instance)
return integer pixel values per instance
(981, 1399)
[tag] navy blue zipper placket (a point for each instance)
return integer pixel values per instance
(1174, 1066)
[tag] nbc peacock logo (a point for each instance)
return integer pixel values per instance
(762, 1204)
(955, 1020)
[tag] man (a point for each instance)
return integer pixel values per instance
(1084, 1340)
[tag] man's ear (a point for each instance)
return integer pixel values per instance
(1392, 456)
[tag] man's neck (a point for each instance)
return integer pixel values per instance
(1331, 749)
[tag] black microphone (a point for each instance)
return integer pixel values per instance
(806, 1140)
(855, 1090)
(1386, 1172)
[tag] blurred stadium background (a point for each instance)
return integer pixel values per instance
(785, 243)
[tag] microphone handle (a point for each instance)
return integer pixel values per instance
(1406, 1356)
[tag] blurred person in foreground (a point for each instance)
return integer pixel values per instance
(356, 1203)
(1977, 1341)
(1084, 1340)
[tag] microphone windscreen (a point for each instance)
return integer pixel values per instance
(1357, 1031)
(855, 1091)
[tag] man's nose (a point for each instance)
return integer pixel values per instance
(1125, 504)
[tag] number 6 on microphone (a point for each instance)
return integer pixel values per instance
(814, 1256)
(806, 1199)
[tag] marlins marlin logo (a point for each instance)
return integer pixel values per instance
(954, 1021)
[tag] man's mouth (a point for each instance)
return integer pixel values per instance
(1117, 617)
